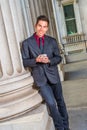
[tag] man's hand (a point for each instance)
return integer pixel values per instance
(42, 59)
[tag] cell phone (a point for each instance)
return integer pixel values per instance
(43, 55)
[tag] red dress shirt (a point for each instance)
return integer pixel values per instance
(37, 39)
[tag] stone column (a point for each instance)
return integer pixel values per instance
(56, 10)
(16, 92)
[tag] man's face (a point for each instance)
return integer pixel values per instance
(41, 28)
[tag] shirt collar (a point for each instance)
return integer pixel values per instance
(37, 37)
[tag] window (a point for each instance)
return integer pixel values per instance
(70, 19)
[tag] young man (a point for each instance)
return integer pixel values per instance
(40, 52)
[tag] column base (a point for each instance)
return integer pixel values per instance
(17, 96)
(37, 119)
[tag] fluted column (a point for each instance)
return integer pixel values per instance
(32, 11)
(11, 64)
(16, 92)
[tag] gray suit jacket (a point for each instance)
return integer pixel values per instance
(42, 72)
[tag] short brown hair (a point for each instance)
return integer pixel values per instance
(43, 18)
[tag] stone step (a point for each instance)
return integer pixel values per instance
(75, 92)
(77, 70)
(75, 84)
(76, 57)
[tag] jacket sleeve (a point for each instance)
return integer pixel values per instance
(27, 60)
(56, 59)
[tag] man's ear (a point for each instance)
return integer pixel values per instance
(47, 28)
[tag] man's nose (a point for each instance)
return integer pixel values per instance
(41, 28)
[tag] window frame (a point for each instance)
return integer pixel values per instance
(76, 13)
(70, 19)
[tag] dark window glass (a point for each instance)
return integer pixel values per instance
(70, 19)
(71, 26)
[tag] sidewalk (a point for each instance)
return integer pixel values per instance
(78, 119)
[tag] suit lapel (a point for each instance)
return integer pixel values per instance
(46, 44)
(34, 46)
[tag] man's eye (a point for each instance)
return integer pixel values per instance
(39, 25)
